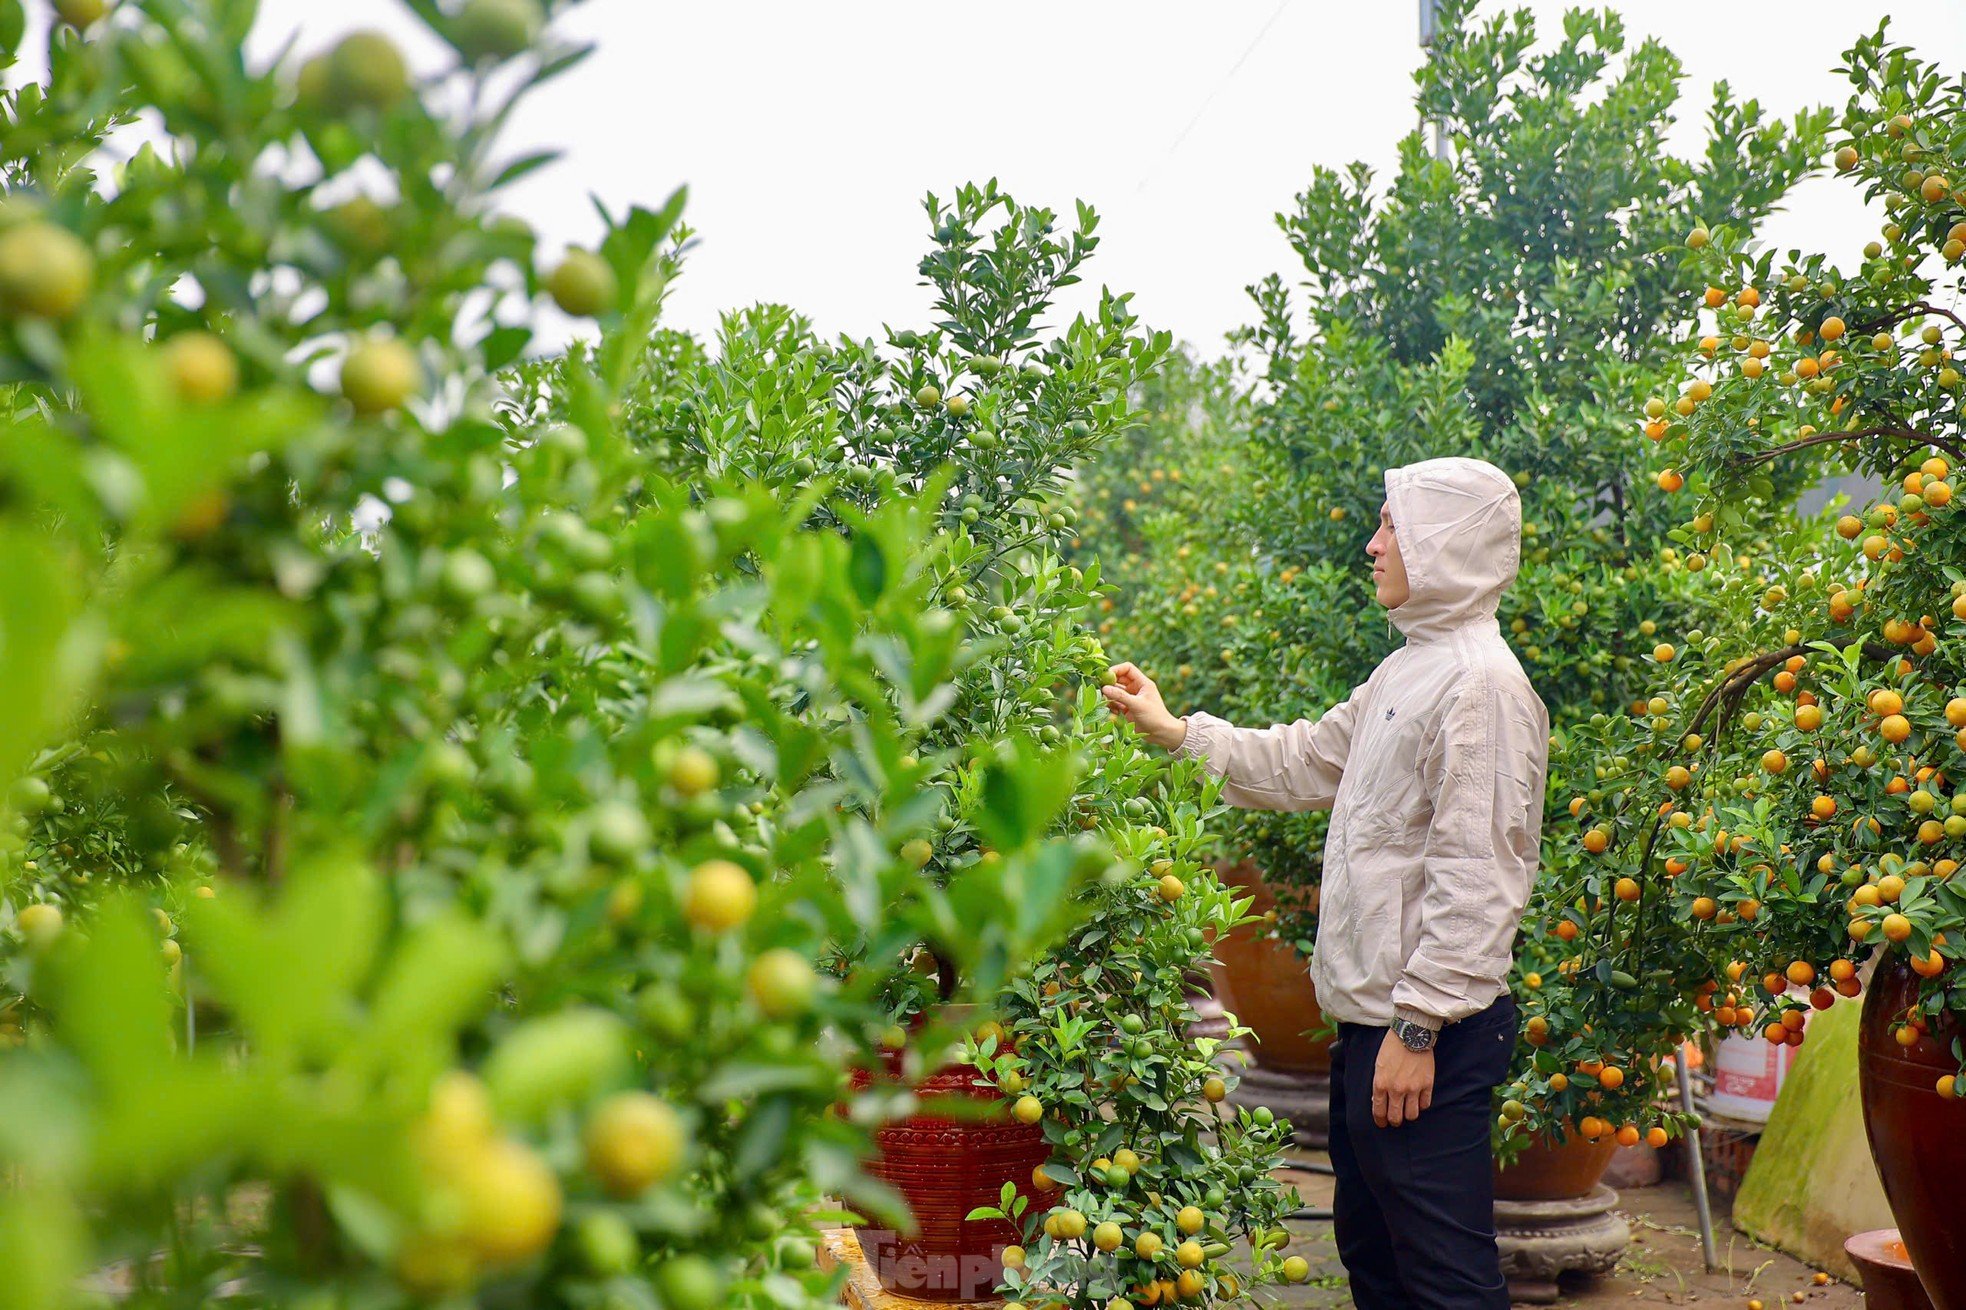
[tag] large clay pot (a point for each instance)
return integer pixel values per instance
(1547, 1171)
(1917, 1137)
(1267, 986)
(945, 1166)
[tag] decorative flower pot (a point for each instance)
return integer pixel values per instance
(1267, 986)
(1917, 1137)
(946, 1165)
(1554, 1217)
(1555, 1172)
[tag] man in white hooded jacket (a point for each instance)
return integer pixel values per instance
(1433, 771)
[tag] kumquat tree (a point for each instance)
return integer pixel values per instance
(460, 836)
(1798, 806)
(1785, 807)
(421, 869)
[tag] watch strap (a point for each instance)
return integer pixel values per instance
(1413, 1036)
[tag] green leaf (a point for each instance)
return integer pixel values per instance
(503, 345)
(738, 1081)
(867, 568)
(13, 26)
(112, 1006)
(762, 1139)
(1006, 819)
(288, 971)
(369, 1224)
(47, 651)
(522, 166)
(440, 975)
(45, 1127)
(560, 1059)
(43, 1239)
(564, 62)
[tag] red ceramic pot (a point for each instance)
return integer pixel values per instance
(1267, 986)
(1917, 1137)
(946, 1165)
(1889, 1280)
(1562, 1171)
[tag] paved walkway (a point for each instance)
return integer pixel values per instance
(1663, 1267)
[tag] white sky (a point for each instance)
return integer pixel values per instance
(808, 132)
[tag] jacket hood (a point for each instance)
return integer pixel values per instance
(1459, 527)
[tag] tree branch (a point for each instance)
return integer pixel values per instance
(947, 979)
(1908, 312)
(1900, 431)
(1730, 689)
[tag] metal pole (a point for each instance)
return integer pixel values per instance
(1429, 26)
(1696, 1164)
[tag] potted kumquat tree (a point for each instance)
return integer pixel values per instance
(1801, 808)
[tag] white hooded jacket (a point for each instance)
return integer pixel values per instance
(1433, 771)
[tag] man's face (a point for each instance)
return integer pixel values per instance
(1388, 569)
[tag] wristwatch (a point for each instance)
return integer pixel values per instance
(1414, 1037)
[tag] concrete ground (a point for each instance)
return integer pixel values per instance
(1663, 1267)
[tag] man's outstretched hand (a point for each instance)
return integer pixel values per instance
(1134, 697)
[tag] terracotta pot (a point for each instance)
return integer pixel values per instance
(944, 1166)
(1890, 1283)
(1555, 1172)
(1917, 1137)
(1267, 986)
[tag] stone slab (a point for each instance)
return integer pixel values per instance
(1811, 1184)
(839, 1248)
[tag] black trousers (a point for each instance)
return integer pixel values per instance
(1415, 1208)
